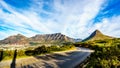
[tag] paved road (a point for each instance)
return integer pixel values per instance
(56, 60)
(76, 58)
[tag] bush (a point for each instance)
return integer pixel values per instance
(43, 49)
(105, 57)
(20, 53)
(30, 52)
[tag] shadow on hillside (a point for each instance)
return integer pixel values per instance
(1, 55)
(13, 64)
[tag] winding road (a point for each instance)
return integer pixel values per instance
(68, 59)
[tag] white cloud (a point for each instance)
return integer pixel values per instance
(73, 17)
(109, 26)
(19, 19)
(79, 16)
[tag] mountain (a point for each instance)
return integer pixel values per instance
(97, 35)
(45, 38)
(77, 40)
(57, 37)
(15, 39)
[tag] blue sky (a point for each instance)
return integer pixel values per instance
(74, 18)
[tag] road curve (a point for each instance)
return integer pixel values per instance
(56, 60)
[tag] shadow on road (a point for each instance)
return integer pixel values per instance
(58, 60)
(38, 65)
(63, 60)
(13, 64)
(1, 55)
(53, 56)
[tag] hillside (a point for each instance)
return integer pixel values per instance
(97, 35)
(15, 39)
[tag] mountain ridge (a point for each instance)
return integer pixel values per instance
(51, 37)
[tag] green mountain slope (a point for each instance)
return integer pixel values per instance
(97, 35)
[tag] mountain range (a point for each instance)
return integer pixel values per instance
(56, 37)
(45, 38)
(51, 38)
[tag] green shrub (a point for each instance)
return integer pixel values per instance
(105, 57)
(20, 53)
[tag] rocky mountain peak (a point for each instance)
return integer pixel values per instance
(97, 35)
(97, 32)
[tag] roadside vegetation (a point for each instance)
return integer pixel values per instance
(43, 49)
(30, 51)
(106, 55)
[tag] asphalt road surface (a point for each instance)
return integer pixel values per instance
(57, 60)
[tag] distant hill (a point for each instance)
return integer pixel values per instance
(45, 38)
(97, 35)
(15, 39)
(78, 40)
(57, 37)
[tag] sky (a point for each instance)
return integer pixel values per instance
(74, 18)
